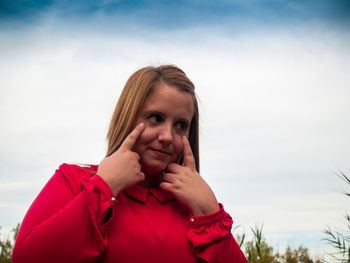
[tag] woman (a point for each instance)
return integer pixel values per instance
(146, 201)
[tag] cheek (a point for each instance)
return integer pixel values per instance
(147, 136)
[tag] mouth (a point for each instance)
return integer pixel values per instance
(160, 152)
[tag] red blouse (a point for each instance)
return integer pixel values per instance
(76, 218)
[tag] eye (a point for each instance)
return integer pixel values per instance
(155, 118)
(181, 125)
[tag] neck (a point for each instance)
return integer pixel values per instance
(152, 181)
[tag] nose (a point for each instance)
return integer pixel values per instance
(165, 134)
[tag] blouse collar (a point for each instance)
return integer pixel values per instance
(141, 193)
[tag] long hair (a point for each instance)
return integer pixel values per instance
(133, 96)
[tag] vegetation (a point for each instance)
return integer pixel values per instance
(258, 250)
(6, 245)
(340, 240)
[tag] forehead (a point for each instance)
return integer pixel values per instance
(169, 100)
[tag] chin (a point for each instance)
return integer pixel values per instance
(153, 169)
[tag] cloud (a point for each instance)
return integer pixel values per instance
(274, 107)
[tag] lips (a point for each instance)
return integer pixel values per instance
(160, 153)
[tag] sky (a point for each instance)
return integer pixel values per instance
(272, 78)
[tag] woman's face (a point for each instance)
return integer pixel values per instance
(167, 114)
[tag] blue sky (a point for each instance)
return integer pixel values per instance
(272, 78)
(177, 14)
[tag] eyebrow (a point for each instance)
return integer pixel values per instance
(153, 112)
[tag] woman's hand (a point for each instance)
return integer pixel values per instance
(122, 169)
(188, 186)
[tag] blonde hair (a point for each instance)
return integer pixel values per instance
(134, 94)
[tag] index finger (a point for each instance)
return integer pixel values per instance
(189, 160)
(130, 140)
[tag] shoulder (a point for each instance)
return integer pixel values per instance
(81, 169)
(74, 174)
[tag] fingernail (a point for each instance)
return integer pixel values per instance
(141, 125)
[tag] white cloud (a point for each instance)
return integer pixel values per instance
(274, 113)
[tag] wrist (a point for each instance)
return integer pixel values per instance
(116, 189)
(205, 210)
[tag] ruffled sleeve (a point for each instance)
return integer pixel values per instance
(212, 240)
(69, 219)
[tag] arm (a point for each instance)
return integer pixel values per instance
(68, 221)
(211, 239)
(210, 226)
(65, 222)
